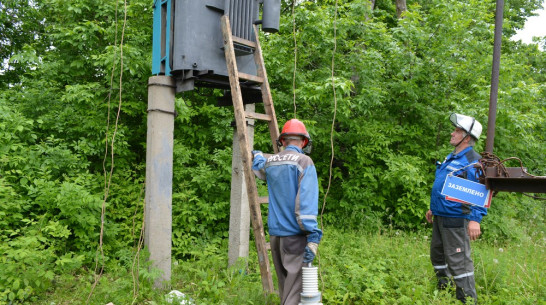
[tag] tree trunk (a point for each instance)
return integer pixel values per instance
(355, 78)
(400, 8)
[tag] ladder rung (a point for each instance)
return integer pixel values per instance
(257, 116)
(263, 199)
(250, 77)
(244, 42)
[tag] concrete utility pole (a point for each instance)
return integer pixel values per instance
(159, 175)
(239, 216)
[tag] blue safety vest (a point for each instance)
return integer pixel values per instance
(455, 163)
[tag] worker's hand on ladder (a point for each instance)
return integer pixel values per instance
(255, 153)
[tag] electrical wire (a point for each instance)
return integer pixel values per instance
(136, 260)
(331, 129)
(334, 115)
(108, 176)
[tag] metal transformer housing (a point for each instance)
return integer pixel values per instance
(198, 57)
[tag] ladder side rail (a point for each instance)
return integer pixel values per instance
(255, 212)
(266, 92)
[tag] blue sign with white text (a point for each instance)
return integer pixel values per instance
(465, 190)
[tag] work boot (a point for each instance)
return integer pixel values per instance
(444, 283)
(465, 298)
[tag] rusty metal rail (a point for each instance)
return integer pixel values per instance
(498, 177)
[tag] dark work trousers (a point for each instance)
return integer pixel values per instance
(287, 255)
(450, 255)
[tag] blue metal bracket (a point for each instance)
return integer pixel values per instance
(162, 33)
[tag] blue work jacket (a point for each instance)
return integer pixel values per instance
(293, 193)
(456, 163)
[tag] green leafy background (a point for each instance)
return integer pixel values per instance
(70, 67)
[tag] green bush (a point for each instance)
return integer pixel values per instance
(73, 110)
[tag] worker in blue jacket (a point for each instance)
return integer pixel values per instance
(293, 208)
(455, 223)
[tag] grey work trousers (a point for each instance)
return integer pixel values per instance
(450, 255)
(287, 253)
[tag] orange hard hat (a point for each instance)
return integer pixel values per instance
(294, 127)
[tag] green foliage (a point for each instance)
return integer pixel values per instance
(43, 231)
(73, 108)
(389, 267)
(206, 279)
(396, 82)
(52, 126)
(202, 173)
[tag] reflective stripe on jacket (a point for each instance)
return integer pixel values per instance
(454, 163)
(293, 193)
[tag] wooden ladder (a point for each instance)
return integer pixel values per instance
(241, 115)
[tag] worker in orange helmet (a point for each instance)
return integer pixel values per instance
(293, 208)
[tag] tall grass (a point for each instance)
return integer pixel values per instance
(388, 267)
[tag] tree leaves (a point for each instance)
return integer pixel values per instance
(405, 78)
(65, 71)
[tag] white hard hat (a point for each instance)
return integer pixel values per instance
(467, 123)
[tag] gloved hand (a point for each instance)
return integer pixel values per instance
(310, 252)
(256, 152)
